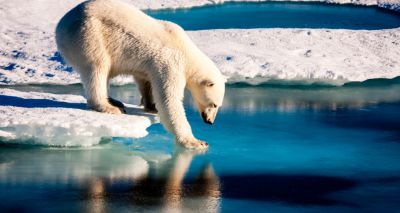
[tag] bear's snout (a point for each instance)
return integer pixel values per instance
(206, 119)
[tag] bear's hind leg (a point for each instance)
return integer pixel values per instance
(147, 99)
(96, 86)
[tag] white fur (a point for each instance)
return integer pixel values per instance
(105, 38)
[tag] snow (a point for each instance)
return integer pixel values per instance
(330, 56)
(28, 52)
(63, 120)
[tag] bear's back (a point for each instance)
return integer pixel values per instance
(115, 15)
(114, 11)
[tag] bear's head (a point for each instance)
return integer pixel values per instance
(208, 93)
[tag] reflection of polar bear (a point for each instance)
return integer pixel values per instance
(105, 38)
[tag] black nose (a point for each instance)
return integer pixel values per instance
(208, 122)
(204, 116)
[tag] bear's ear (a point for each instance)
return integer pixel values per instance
(207, 83)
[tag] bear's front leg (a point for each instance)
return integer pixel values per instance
(168, 95)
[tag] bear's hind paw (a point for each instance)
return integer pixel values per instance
(151, 111)
(110, 109)
(151, 108)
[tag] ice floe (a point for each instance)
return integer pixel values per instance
(63, 120)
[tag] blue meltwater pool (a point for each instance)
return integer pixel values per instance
(276, 149)
(281, 15)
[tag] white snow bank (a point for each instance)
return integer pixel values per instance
(63, 120)
(331, 56)
(28, 52)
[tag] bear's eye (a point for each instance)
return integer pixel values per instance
(207, 83)
(213, 105)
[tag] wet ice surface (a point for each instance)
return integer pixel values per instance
(271, 149)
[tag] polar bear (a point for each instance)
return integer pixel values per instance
(102, 39)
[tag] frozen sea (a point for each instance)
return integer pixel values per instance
(272, 148)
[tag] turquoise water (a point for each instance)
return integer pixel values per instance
(279, 149)
(281, 15)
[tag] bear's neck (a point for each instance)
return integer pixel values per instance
(197, 64)
(195, 73)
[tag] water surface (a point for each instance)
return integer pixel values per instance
(280, 15)
(331, 149)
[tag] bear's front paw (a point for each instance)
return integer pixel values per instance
(193, 143)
